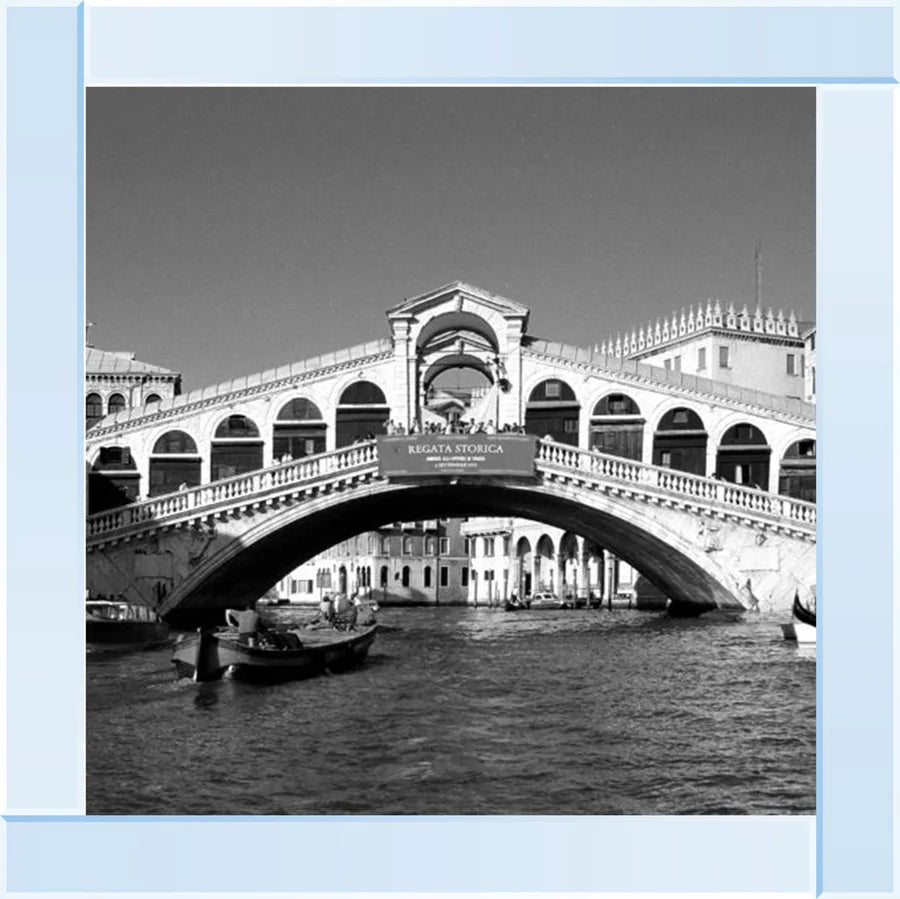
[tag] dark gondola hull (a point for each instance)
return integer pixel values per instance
(802, 614)
(207, 655)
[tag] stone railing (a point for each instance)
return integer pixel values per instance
(672, 483)
(252, 487)
(553, 459)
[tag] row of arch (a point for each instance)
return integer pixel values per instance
(617, 427)
(115, 403)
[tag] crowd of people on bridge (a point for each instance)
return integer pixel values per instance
(453, 426)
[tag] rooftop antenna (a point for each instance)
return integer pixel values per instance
(758, 259)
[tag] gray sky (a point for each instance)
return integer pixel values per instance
(232, 230)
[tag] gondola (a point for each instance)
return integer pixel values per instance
(803, 626)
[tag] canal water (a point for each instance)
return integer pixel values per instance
(474, 711)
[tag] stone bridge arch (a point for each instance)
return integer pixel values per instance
(697, 567)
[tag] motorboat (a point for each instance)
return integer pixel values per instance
(547, 600)
(270, 655)
(802, 627)
(118, 625)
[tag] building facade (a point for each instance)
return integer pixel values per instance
(114, 383)
(758, 350)
(406, 563)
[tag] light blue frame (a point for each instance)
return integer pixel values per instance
(48, 844)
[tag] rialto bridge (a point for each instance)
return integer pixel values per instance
(208, 498)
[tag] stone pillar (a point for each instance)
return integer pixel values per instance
(774, 472)
(403, 382)
(511, 404)
(585, 572)
(609, 563)
(711, 452)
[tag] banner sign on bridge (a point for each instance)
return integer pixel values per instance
(422, 455)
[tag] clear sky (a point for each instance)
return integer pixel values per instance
(232, 230)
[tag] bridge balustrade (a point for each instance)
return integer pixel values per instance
(256, 483)
(598, 467)
(676, 482)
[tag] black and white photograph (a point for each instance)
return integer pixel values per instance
(450, 450)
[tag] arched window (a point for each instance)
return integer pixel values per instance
(362, 393)
(617, 427)
(236, 427)
(174, 463)
(680, 441)
(797, 477)
(236, 449)
(300, 409)
(383, 576)
(429, 546)
(616, 404)
(361, 414)
(404, 576)
(93, 409)
(407, 546)
(175, 442)
(152, 398)
(552, 411)
(743, 456)
(116, 403)
(114, 480)
(299, 430)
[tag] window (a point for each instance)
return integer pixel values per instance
(666, 460)
(445, 545)
(429, 546)
(791, 364)
(466, 546)
(701, 359)
(723, 357)
(404, 576)
(678, 363)
(812, 342)
(506, 546)
(427, 575)
(813, 380)
(445, 576)
(93, 409)
(407, 547)
(570, 426)
(667, 364)
(552, 390)
(385, 546)
(802, 365)
(464, 577)
(489, 546)
(152, 398)
(116, 403)
(383, 576)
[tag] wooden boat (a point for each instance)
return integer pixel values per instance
(115, 625)
(270, 655)
(802, 627)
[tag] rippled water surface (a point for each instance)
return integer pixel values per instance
(474, 711)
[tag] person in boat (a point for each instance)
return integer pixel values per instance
(326, 611)
(344, 610)
(246, 621)
(365, 612)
